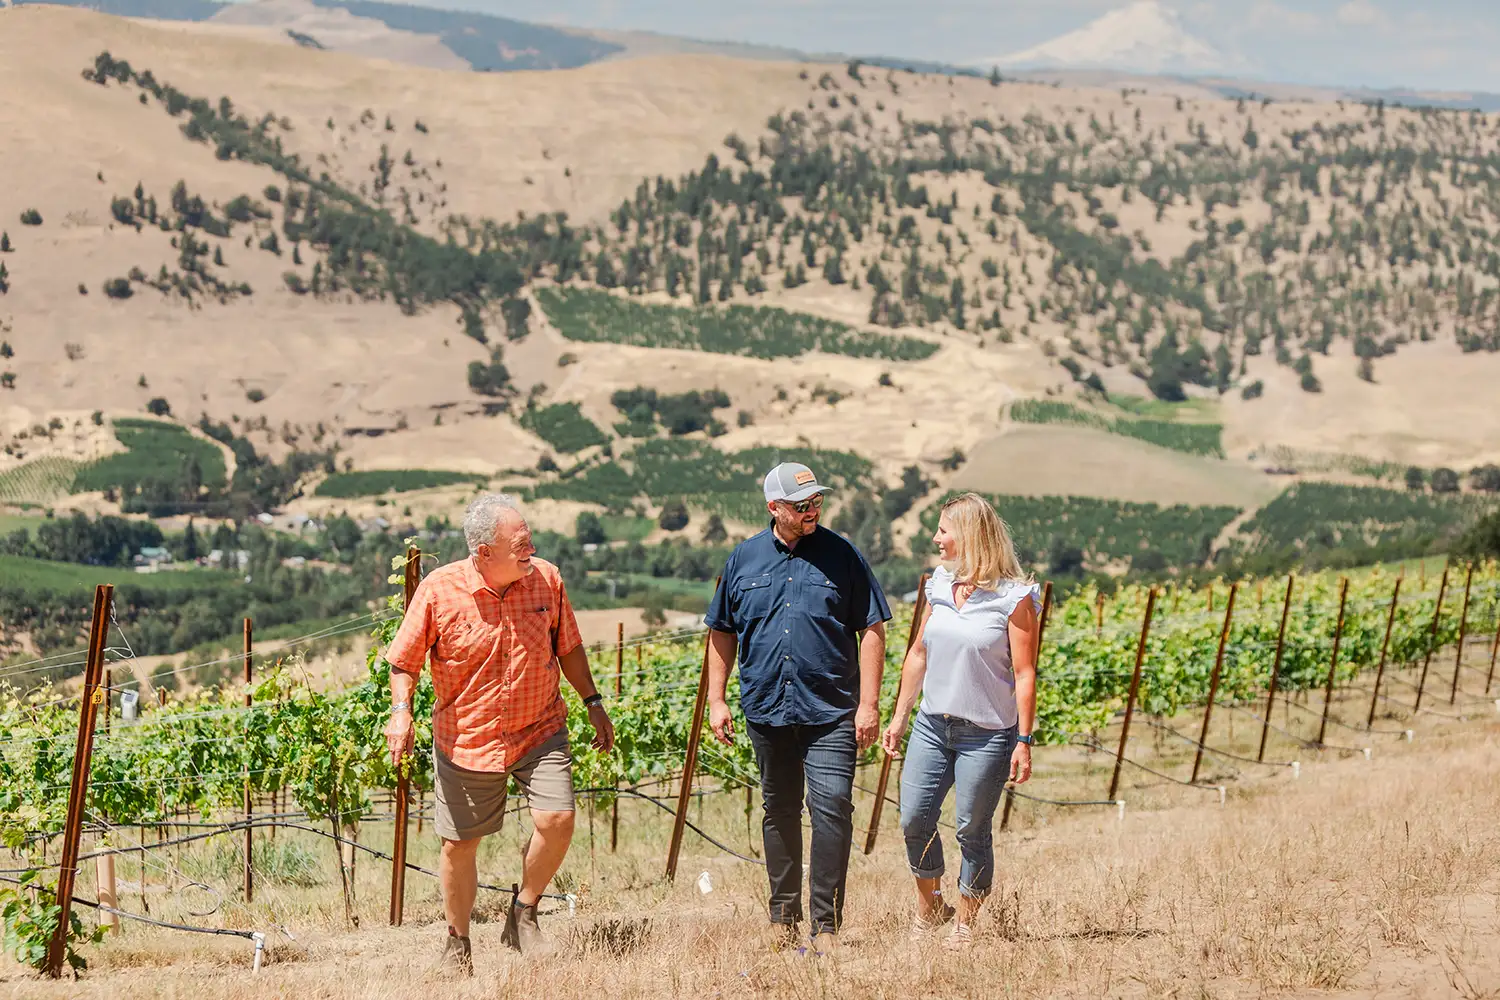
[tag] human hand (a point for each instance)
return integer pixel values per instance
(399, 736)
(866, 726)
(890, 740)
(604, 729)
(721, 722)
(1020, 764)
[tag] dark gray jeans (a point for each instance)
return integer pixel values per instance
(821, 758)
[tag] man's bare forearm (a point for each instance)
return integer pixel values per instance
(575, 667)
(871, 665)
(722, 647)
(403, 686)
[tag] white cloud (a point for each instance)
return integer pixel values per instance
(1362, 14)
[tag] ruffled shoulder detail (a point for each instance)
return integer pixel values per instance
(1010, 594)
(940, 586)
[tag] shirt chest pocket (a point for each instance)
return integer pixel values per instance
(824, 597)
(467, 641)
(753, 598)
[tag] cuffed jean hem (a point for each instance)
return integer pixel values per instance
(929, 872)
(973, 892)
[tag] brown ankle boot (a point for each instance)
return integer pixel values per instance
(457, 956)
(522, 932)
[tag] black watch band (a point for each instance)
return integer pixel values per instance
(1024, 739)
(594, 699)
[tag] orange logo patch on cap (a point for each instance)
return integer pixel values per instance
(804, 477)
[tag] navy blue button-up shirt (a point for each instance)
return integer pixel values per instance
(796, 613)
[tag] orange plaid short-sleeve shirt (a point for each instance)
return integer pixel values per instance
(495, 667)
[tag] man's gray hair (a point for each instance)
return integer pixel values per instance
(482, 519)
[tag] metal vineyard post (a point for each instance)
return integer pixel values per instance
(403, 773)
(1213, 682)
(1333, 661)
(690, 765)
(1135, 687)
(88, 710)
(1385, 645)
(885, 765)
(1286, 607)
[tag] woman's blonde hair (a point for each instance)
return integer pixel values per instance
(986, 554)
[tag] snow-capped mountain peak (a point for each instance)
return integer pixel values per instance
(1145, 37)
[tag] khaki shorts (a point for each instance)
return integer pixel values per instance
(471, 804)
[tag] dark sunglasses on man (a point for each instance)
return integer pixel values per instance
(814, 502)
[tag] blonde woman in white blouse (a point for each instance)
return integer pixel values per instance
(974, 667)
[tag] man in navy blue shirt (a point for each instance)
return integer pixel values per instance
(805, 615)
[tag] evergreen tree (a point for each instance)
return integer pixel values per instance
(190, 542)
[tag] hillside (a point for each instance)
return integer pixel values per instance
(459, 271)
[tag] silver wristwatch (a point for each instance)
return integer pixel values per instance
(400, 706)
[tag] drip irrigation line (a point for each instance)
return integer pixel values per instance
(220, 931)
(689, 823)
(1062, 802)
(1096, 745)
(1344, 725)
(1208, 749)
(1309, 744)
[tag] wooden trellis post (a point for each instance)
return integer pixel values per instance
(1463, 629)
(690, 765)
(1213, 682)
(1333, 661)
(88, 711)
(614, 812)
(885, 765)
(1437, 614)
(403, 776)
(1385, 646)
(1286, 607)
(249, 806)
(1135, 687)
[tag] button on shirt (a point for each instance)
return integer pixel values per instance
(969, 673)
(494, 661)
(796, 613)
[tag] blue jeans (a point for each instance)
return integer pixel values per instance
(945, 752)
(821, 759)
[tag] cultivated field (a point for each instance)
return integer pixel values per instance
(1057, 460)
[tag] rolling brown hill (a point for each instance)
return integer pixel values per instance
(1237, 254)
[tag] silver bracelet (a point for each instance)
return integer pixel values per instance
(400, 706)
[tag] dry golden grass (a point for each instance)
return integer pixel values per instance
(1363, 879)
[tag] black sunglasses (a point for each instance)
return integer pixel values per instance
(814, 502)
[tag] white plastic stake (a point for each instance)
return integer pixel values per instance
(1221, 794)
(1497, 704)
(1410, 734)
(1367, 753)
(1120, 809)
(1296, 769)
(705, 884)
(260, 950)
(572, 905)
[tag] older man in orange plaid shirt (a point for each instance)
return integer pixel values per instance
(500, 632)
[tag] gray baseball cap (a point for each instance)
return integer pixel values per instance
(792, 481)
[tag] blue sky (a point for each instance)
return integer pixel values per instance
(1450, 44)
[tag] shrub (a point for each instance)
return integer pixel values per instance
(118, 288)
(31, 217)
(588, 529)
(159, 407)
(673, 516)
(255, 396)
